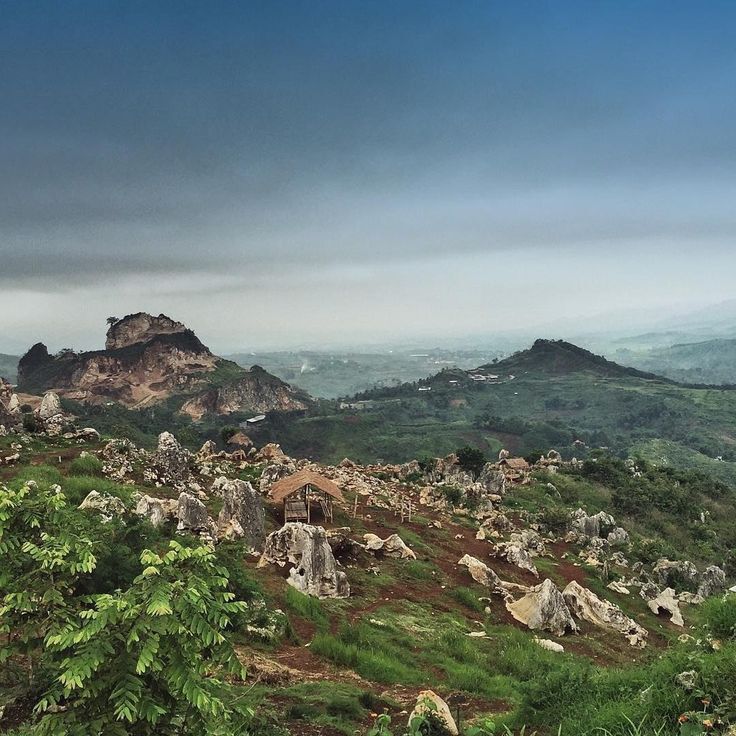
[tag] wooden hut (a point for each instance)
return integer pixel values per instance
(304, 491)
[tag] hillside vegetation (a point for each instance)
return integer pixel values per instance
(552, 395)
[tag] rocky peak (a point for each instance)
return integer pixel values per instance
(35, 358)
(140, 328)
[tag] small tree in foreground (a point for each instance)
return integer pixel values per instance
(148, 660)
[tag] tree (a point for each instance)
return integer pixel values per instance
(44, 551)
(148, 659)
(471, 459)
(112, 320)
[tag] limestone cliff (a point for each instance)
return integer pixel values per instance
(149, 359)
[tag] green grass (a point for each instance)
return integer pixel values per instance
(469, 598)
(378, 653)
(306, 607)
(86, 465)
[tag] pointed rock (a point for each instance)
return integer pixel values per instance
(587, 606)
(544, 608)
(314, 570)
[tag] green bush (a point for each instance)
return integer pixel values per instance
(719, 615)
(86, 465)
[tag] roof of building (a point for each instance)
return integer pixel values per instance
(239, 438)
(292, 483)
(515, 463)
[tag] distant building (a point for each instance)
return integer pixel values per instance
(257, 419)
(424, 388)
(357, 405)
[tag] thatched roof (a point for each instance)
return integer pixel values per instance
(241, 439)
(515, 463)
(293, 483)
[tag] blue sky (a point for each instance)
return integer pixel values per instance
(326, 171)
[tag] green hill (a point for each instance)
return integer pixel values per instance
(711, 361)
(552, 395)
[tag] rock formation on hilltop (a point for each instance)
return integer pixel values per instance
(139, 328)
(149, 359)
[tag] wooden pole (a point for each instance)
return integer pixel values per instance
(309, 508)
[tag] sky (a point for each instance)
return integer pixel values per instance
(284, 173)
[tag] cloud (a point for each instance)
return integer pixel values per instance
(239, 148)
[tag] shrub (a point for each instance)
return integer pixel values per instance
(86, 465)
(719, 615)
(471, 459)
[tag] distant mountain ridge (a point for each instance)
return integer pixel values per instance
(706, 362)
(9, 367)
(150, 359)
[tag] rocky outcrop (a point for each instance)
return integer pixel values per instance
(105, 505)
(169, 465)
(664, 602)
(314, 570)
(430, 705)
(481, 573)
(392, 546)
(544, 609)
(587, 606)
(712, 581)
(255, 390)
(149, 359)
(680, 574)
(492, 479)
(515, 554)
(10, 414)
(241, 516)
(193, 517)
(140, 328)
(157, 510)
(600, 525)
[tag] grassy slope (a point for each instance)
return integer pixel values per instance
(405, 628)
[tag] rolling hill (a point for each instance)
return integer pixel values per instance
(707, 362)
(554, 394)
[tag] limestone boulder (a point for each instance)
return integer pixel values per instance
(10, 415)
(666, 602)
(392, 546)
(193, 517)
(86, 434)
(157, 510)
(544, 609)
(104, 504)
(50, 406)
(169, 464)
(481, 573)
(587, 606)
(712, 581)
(314, 569)
(241, 516)
(549, 645)
(492, 480)
(679, 574)
(432, 706)
(600, 525)
(516, 555)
